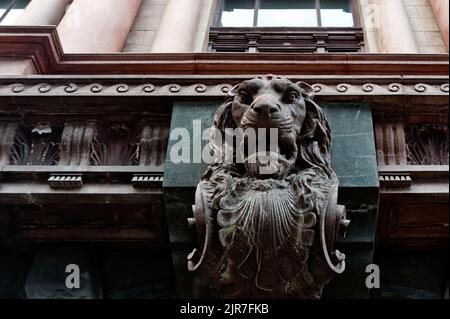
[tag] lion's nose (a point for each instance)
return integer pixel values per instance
(265, 109)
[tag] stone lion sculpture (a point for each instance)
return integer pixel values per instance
(269, 233)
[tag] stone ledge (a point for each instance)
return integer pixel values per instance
(42, 45)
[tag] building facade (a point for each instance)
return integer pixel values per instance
(93, 93)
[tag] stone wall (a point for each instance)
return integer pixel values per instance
(206, 18)
(16, 66)
(148, 19)
(426, 30)
(145, 26)
(422, 20)
(368, 22)
(423, 23)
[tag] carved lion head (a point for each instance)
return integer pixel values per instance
(273, 103)
(271, 238)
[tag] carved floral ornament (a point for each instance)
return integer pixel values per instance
(270, 234)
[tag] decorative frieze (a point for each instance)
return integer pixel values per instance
(427, 144)
(87, 141)
(402, 143)
(352, 87)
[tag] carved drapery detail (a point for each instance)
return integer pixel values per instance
(152, 145)
(427, 144)
(269, 235)
(76, 143)
(390, 143)
(37, 145)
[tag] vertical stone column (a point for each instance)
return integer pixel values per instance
(97, 26)
(176, 33)
(395, 31)
(440, 9)
(43, 12)
(7, 133)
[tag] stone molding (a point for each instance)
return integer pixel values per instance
(214, 86)
(41, 44)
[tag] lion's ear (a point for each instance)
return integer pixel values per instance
(307, 90)
(223, 118)
(232, 92)
(316, 138)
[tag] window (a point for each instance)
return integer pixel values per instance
(287, 13)
(308, 26)
(10, 10)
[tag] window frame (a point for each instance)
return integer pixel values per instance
(221, 5)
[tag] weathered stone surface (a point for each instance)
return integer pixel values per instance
(47, 276)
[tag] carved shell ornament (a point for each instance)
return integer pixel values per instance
(269, 233)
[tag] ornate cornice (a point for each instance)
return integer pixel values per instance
(214, 86)
(42, 45)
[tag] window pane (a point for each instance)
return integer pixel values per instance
(336, 13)
(238, 13)
(287, 13)
(14, 13)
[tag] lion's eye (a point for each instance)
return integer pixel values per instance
(292, 96)
(245, 97)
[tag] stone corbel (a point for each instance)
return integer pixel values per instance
(267, 228)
